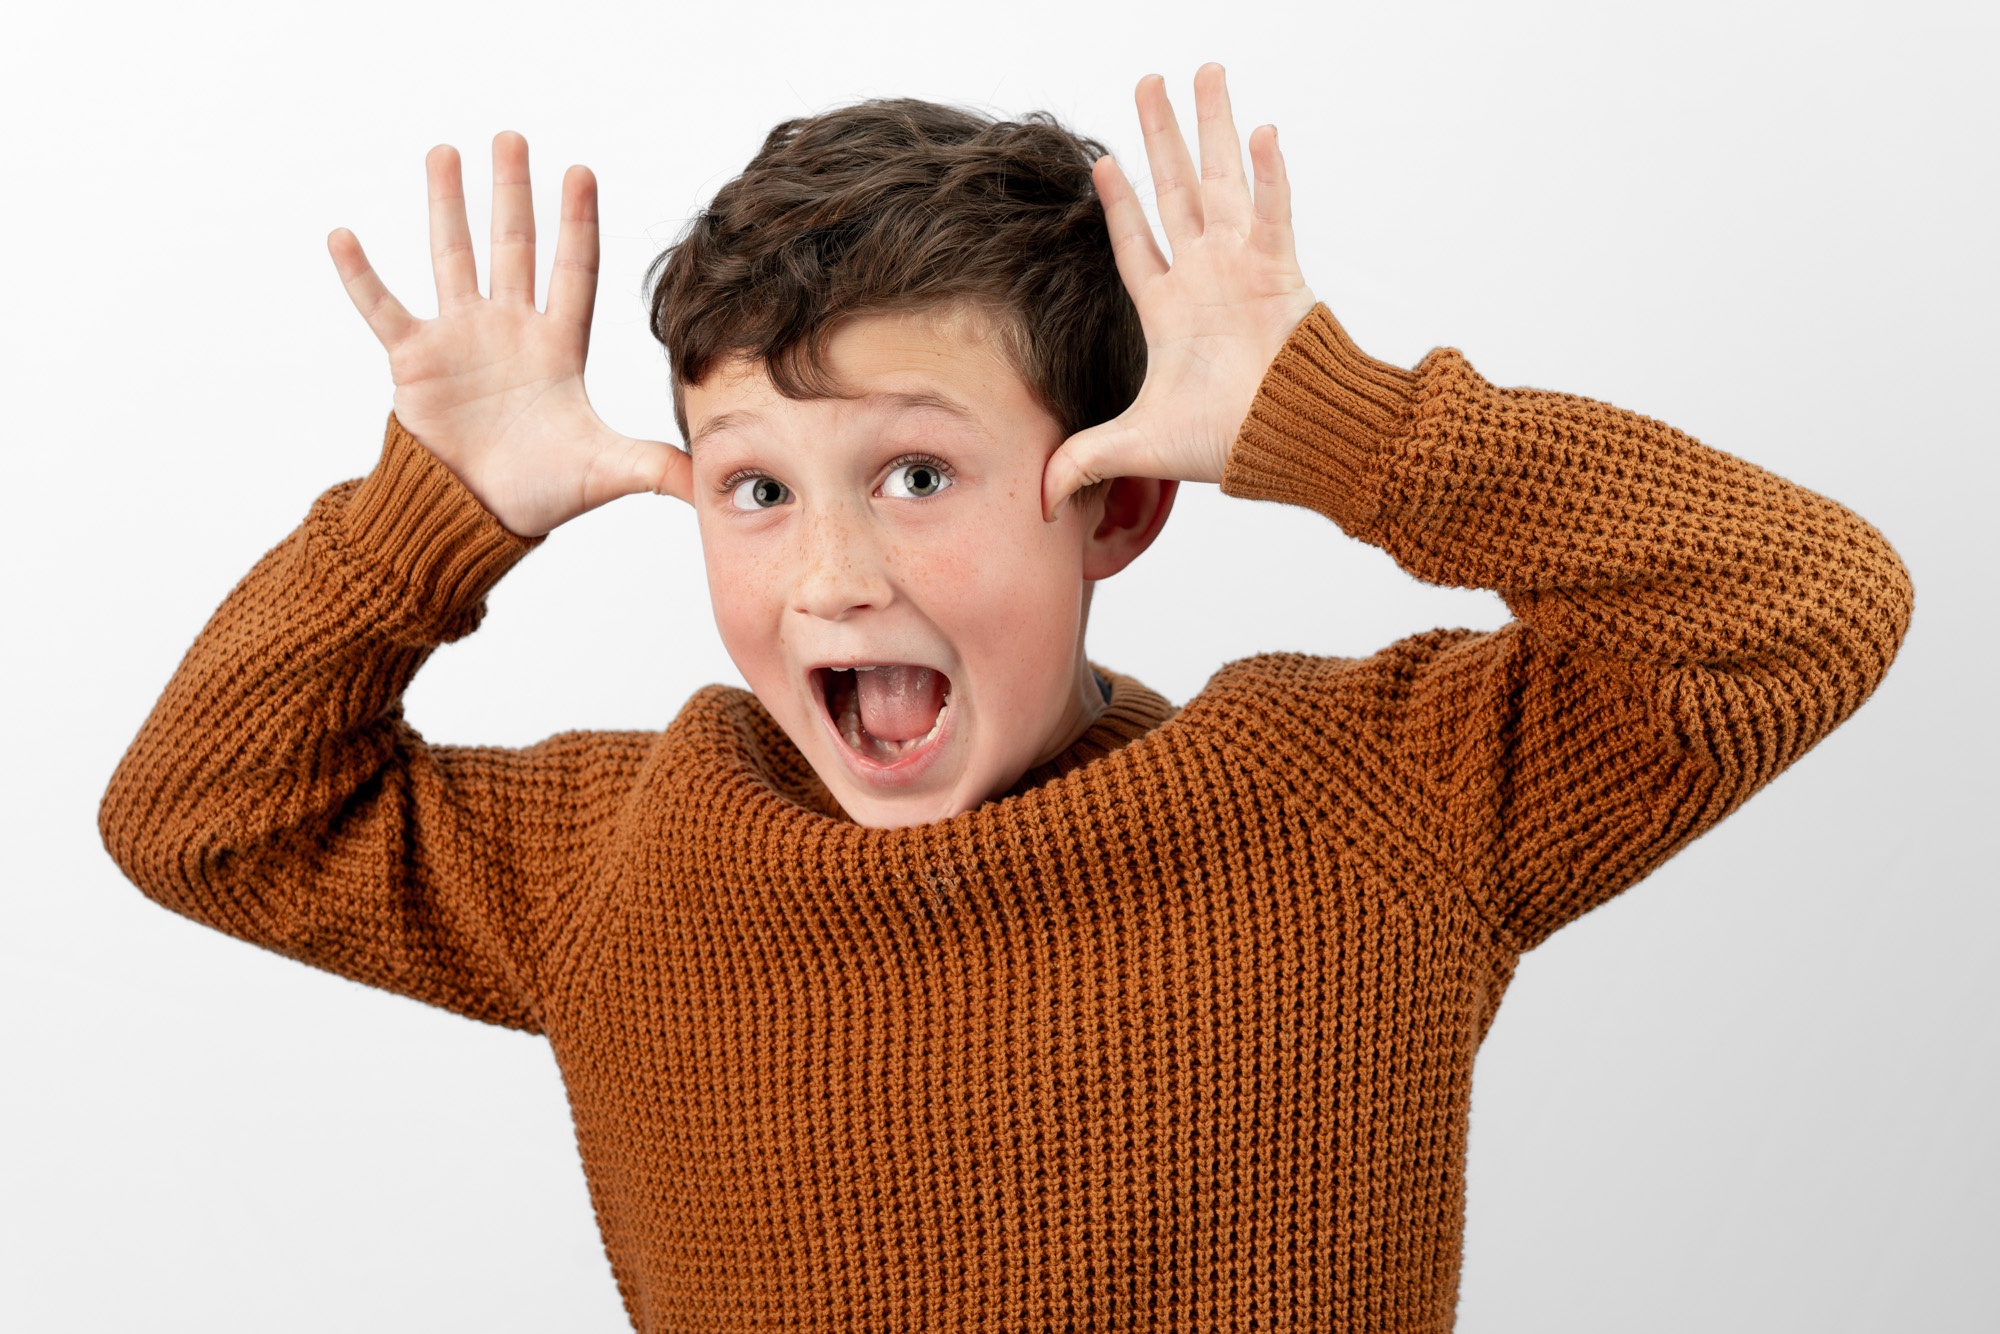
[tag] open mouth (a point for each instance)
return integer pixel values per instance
(887, 712)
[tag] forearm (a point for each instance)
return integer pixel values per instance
(1604, 530)
(276, 759)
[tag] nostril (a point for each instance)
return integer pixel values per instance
(836, 597)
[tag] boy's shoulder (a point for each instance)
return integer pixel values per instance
(1323, 684)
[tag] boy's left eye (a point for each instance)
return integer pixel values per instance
(759, 493)
(914, 481)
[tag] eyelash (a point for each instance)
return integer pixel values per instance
(742, 475)
(738, 478)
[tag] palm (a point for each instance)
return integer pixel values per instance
(478, 369)
(496, 391)
(1215, 317)
(492, 386)
(1213, 322)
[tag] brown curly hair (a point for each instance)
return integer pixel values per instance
(904, 205)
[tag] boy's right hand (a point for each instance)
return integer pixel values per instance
(492, 386)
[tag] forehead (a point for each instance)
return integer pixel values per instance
(950, 365)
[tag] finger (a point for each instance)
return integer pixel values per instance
(1083, 459)
(513, 220)
(451, 239)
(673, 473)
(573, 280)
(1176, 189)
(1225, 195)
(1132, 244)
(386, 317)
(1271, 229)
(628, 467)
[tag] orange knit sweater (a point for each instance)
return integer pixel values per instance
(1180, 1033)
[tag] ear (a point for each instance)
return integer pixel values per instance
(1133, 511)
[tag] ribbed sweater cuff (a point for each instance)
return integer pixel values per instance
(413, 517)
(1326, 421)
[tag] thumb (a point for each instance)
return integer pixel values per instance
(673, 471)
(1086, 458)
(633, 466)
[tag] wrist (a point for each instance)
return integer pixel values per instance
(1295, 309)
(413, 515)
(1323, 425)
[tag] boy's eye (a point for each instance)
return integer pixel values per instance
(759, 493)
(914, 481)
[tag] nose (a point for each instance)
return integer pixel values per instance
(840, 572)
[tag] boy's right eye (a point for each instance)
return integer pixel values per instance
(759, 493)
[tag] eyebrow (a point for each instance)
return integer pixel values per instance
(728, 421)
(901, 402)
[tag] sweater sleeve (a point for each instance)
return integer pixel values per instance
(1686, 625)
(275, 793)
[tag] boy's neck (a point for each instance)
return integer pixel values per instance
(1089, 700)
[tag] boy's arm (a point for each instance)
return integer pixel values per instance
(275, 792)
(1687, 624)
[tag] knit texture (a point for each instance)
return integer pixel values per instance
(1178, 1035)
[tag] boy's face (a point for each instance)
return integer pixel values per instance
(881, 572)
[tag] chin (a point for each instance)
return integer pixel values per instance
(873, 813)
(895, 798)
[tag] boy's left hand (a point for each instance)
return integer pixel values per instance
(1215, 317)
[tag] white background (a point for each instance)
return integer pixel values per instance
(1755, 1093)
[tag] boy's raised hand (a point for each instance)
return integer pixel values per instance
(494, 387)
(1215, 317)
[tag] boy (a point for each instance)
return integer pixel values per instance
(943, 980)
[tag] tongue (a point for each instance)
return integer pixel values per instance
(899, 703)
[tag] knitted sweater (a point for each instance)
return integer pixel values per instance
(1180, 1033)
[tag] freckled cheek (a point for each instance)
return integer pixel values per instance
(1005, 591)
(748, 589)
(940, 571)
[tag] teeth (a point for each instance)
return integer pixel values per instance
(850, 719)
